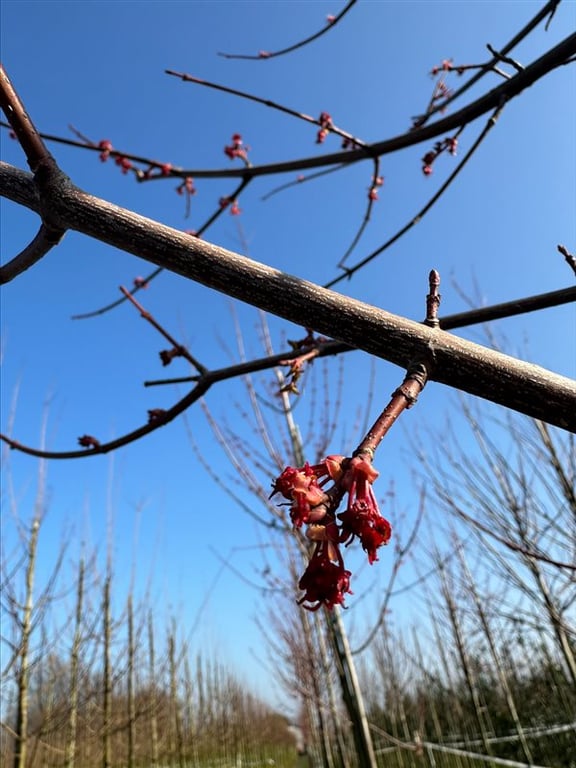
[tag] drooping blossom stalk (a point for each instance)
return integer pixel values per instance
(315, 493)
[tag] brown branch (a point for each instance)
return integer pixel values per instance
(475, 369)
(45, 171)
(555, 57)
(352, 140)
(45, 239)
(148, 279)
(270, 55)
(549, 8)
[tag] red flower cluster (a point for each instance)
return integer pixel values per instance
(447, 66)
(140, 282)
(187, 187)
(235, 209)
(124, 164)
(377, 181)
(106, 147)
(326, 581)
(362, 517)
(450, 144)
(325, 125)
(237, 148)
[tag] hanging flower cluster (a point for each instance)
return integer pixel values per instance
(377, 181)
(326, 580)
(326, 124)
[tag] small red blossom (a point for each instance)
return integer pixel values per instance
(264, 54)
(87, 441)
(373, 194)
(124, 163)
(237, 148)
(362, 517)
(427, 170)
(166, 169)
(224, 202)
(325, 121)
(446, 66)
(187, 186)
(330, 19)
(106, 147)
(325, 581)
(235, 209)
(140, 282)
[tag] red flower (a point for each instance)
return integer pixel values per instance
(235, 210)
(236, 149)
(362, 517)
(372, 194)
(124, 164)
(264, 54)
(300, 486)
(325, 580)
(106, 147)
(330, 19)
(140, 282)
(165, 169)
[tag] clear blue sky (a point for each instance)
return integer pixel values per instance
(99, 66)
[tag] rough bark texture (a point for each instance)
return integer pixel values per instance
(527, 388)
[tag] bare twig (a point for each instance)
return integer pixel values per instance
(331, 22)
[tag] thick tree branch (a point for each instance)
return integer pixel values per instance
(470, 367)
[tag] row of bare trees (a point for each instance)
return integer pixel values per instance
(486, 664)
(87, 684)
(486, 661)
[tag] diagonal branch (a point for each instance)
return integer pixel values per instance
(470, 367)
(44, 167)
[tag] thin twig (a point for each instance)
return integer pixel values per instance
(270, 55)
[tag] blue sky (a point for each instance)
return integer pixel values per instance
(100, 67)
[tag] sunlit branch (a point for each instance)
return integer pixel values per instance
(43, 166)
(555, 57)
(148, 279)
(266, 102)
(272, 54)
(44, 241)
(470, 367)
